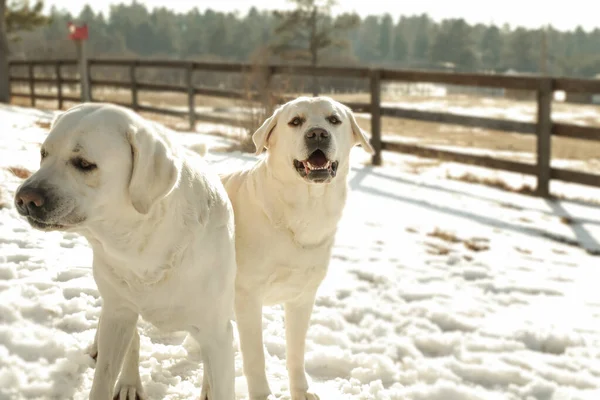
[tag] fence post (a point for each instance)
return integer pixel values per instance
(31, 84)
(84, 79)
(375, 83)
(189, 75)
(266, 92)
(134, 91)
(59, 94)
(88, 79)
(544, 136)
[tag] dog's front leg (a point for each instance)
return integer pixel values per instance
(248, 312)
(219, 367)
(129, 386)
(116, 329)
(297, 319)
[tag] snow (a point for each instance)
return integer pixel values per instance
(437, 290)
(502, 108)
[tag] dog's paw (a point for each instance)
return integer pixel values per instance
(305, 396)
(129, 392)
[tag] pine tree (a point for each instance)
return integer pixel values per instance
(386, 37)
(453, 44)
(491, 47)
(400, 47)
(15, 17)
(420, 44)
(21, 16)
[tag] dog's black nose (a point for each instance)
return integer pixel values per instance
(317, 135)
(29, 200)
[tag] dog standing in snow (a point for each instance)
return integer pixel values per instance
(287, 207)
(160, 225)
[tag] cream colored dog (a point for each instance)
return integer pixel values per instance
(160, 225)
(287, 207)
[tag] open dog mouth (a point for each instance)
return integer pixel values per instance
(316, 168)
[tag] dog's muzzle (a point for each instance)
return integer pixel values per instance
(35, 204)
(317, 167)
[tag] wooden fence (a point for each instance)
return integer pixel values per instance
(543, 129)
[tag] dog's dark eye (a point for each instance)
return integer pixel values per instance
(334, 120)
(43, 154)
(297, 121)
(83, 165)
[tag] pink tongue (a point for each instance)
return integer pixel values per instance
(317, 159)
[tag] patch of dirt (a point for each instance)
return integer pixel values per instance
(492, 182)
(20, 172)
(444, 235)
(436, 249)
(477, 244)
(43, 124)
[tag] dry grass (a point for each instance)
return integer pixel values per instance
(523, 251)
(492, 182)
(437, 249)
(523, 189)
(445, 236)
(43, 124)
(20, 172)
(474, 244)
(567, 220)
(477, 244)
(416, 167)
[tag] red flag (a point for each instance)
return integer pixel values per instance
(77, 32)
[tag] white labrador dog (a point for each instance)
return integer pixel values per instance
(161, 228)
(287, 207)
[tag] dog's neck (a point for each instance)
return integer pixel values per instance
(139, 245)
(309, 212)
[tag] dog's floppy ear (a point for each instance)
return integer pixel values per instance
(261, 136)
(155, 171)
(359, 135)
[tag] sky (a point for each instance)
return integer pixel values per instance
(528, 13)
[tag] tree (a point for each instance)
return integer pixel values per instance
(400, 47)
(453, 44)
(4, 77)
(523, 50)
(491, 47)
(308, 30)
(15, 17)
(386, 37)
(369, 40)
(420, 44)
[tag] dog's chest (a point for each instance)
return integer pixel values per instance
(289, 281)
(162, 299)
(292, 271)
(284, 252)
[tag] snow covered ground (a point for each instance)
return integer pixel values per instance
(437, 290)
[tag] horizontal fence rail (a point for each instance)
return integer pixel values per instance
(542, 129)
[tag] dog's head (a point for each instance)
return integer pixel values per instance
(99, 162)
(310, 138)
